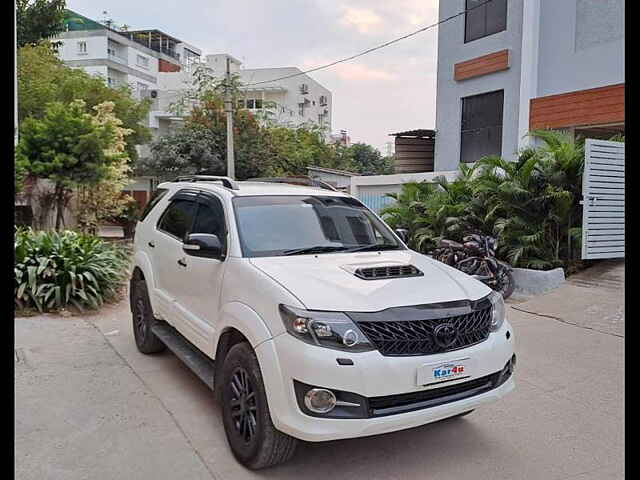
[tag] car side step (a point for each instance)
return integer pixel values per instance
(197, 361)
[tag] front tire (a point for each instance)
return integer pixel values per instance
(146, 341)
(253, 439)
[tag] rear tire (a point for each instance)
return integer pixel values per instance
(143, 319)
(253, 439)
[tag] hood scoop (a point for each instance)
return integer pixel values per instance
(382, 271)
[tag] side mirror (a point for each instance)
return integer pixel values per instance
(203, 245)
(403, 233)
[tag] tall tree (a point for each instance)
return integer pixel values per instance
(369, 160)
(69, 147)
(43, 78)
(38, 20)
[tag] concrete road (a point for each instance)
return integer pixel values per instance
(89, 406)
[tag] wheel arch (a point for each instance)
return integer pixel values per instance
(142, 270)
(239, 323)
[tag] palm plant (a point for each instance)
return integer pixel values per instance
(409, 208)
(562, 163)
(531, 204)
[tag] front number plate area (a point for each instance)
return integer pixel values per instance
(441, 372)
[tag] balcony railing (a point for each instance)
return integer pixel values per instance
(118, 58)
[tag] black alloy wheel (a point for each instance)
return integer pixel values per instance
(139, 318)
(143, 318)
(243, 405)
(253, 439)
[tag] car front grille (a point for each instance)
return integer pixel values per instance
(416, 336)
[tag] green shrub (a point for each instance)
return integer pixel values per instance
(532, 204)
(55, 269)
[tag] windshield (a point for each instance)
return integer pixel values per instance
(299, 225)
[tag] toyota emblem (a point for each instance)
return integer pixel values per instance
(445, 335)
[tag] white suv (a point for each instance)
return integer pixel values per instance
(308, 316)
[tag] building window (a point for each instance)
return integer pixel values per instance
(481, 126)
(142, 61)
(484, 18)
(258, 103)
(240, 103)
(82, 48)
(142, 89)
(250, 103)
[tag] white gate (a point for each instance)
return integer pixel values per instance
(603, 200)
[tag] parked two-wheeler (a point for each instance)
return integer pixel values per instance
(477, 257)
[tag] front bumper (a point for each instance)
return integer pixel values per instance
(284, 359)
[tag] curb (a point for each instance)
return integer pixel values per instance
(535, 282)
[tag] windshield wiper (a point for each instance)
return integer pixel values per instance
(373, 246)
(316, 249)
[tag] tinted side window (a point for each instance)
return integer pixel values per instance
(178, 218)
(153, 201)
(210, 218)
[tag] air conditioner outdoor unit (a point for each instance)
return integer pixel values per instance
(323, 100)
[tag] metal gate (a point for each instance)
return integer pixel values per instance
(603, 200)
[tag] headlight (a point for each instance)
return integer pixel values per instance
(497, 310)
(326, 329)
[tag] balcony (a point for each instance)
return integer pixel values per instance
(117, 58)
(155, 40)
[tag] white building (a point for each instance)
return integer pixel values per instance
(290, 101)
(134, 58)
(509, 67)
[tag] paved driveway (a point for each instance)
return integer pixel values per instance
(89, 406)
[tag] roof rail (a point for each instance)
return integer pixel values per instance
(226, 181)
(296, 180)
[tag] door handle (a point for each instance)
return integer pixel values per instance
(182, 263)
(151, 244)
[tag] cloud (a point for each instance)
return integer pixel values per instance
(361, 72)
(351, 71)
(364, 20)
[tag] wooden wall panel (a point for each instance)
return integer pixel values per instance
(414, 155)
(493, 62)
(595, 106)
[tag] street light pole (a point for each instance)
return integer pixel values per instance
(228, 107)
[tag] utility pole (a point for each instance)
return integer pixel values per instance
(228, 108)
(15, 74)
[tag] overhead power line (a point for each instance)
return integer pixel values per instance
(373, 49)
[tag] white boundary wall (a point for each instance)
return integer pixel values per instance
(371, 189)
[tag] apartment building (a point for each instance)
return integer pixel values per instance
(511, 66)
(292, 101)
(296, 99)
(133, 58)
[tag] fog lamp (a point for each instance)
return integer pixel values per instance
(320, 400)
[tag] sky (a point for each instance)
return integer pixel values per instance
(387, 91)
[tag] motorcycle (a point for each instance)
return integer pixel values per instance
(477, 257)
